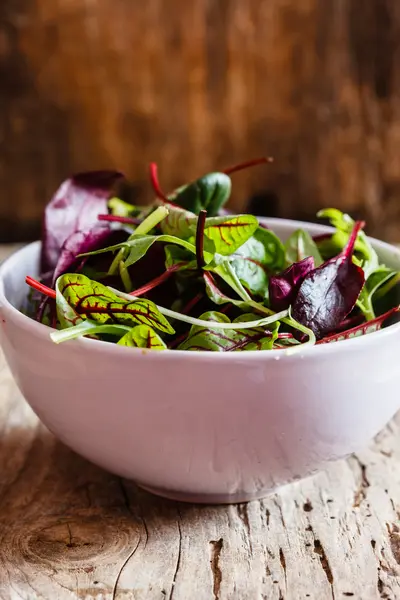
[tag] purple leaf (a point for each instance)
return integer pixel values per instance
(80, 242)
(283, 288)
(328, 294)
(75, 207)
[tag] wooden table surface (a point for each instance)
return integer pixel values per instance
(72, 531)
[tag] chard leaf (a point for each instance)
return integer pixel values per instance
(208, 193)
(66, 315)
(262, 254)
(328, 294)
(283, 288)
(229, 233)
(344, 225)
(74, 207)
(96, 302)
(300, 245)
(203, 338)
(142, 336)
(136, 247)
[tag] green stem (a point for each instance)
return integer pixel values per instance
(384, 289)
(125, 277)
(151, 221)
(147, 225)
(86, 328)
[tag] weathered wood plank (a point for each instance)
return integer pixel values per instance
(70, 531)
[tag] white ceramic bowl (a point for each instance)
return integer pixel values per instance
(203, 427)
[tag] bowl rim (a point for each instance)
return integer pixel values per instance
(352, 344)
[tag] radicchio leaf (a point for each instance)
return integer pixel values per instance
(142, 336)
(229, 340)
(328, 294)
(94, 301)
(74, 207)
(283, 288)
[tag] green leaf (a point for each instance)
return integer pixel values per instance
(120, 208)
(300, 245)
(136, 247)
(175, 255)
(203, 338)
(262, 254)
(374, 282)
(219, 297)
(96, 302)
(66, 315)
(142, 336)
(344, 225)
(229, 233)
(210, 192)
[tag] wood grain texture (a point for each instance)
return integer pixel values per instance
(70, 531)
(196, 86)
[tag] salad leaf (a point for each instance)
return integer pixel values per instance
(344, 225)
(300, 245)
(142, 336)
(283, 288)
(256, 259)
(229, 233)
(203, 338)
(374, 282)
(81, 242)
(208, 193)
(93, 300)
(74, 207)
(328, 294)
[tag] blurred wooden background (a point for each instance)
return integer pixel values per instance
(197, 85)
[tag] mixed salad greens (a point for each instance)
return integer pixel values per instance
(185, 274)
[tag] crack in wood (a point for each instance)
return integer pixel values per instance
(394, 540)
(243, 513)
(178, 561)
(319, 549)
(216, 548)
(363, 484)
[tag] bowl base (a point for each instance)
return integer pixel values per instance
(238, 498)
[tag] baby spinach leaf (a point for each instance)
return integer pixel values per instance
(203, 338)
(328, 294)
(94, 301)
(142, 336)
(74, 207)
(261, 255)
(208, 193)
(300, 245)
(283, 288)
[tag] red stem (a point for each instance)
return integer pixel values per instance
(201, 222)
(156, 184)
(249, 163)
(40, 287)
(191, 304)
(156, 281)
(349, 248)
(118, 219)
